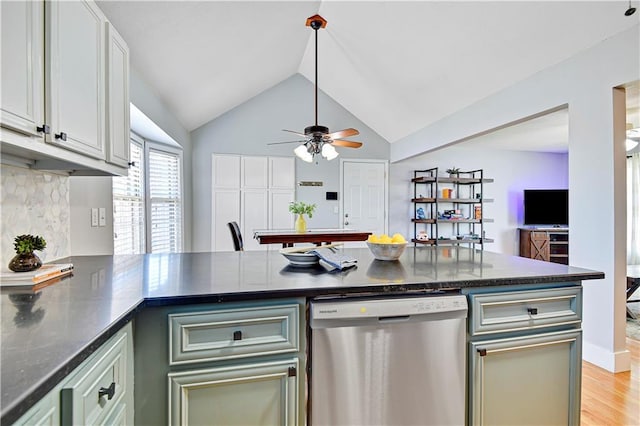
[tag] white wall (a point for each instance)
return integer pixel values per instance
(585, 83)
(534, 171)
(248, 128)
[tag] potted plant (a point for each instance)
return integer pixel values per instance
(300, 208)
(25, 259)
(453, 171)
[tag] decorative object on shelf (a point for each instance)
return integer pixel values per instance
(300, 208)
(25, 259)
(422, 236)
(453, 171)
(420, 213)
(317, 139)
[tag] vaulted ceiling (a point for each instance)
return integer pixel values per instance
(398, 66)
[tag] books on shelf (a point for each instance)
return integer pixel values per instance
(44, 273)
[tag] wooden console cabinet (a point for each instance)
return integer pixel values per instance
(548, 244)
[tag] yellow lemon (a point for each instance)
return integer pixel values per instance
(385, 239)
(398, 238)
(373, 238)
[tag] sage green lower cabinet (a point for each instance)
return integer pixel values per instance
(525, 355)
(235, 363)
(97, 392)
(100, 391)
(248, 394)
(532, 380)
(44, 412)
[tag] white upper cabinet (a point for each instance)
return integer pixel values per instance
(74, 71)
(22, 66)
(254, 172)
(117, 92)
(282, 172)
(65, 75)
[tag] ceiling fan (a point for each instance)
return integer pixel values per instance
(317, 139)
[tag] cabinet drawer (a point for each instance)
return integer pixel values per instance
(522, 310)
(97, 389)
(236, 333)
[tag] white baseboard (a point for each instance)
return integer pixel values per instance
(615, 362)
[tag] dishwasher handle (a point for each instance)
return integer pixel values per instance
(394, 319)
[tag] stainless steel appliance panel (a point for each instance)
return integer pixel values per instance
(395, 369)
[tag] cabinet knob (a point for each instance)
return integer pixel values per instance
(482, 352)
(61, 135)
(292, 372)
(109, 392)
(132, 163)
(237, 335)
(44, 129)
(532, 311)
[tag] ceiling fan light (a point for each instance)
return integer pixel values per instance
(329, 152)
(629, 144)
(303, 154)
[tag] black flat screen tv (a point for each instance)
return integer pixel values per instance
(547, 207)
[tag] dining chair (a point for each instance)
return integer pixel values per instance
(236, 236)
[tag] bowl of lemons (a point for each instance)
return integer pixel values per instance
(384, 247)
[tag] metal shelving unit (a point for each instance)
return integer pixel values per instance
(454, 203)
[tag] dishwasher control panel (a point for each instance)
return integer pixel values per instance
(389, 307)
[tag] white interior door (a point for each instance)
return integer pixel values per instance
(364, 196)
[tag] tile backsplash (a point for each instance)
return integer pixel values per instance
(34, 202)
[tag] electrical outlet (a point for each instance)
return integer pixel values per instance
(102, 217)
(94, 216)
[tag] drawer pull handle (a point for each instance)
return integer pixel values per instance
(44, 129)
(237, 335)
(110, 391)
(532, 311)
(61, 135)
(482, 352)
(292, 372)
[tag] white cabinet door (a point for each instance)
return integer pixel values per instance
(282, 172)
(117, 98)
(254, 172)
(226, 208)
(226, 171)
(22, 68)
(279, 215)
(74, 71)
(255, 204)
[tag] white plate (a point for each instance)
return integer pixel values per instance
(301, 259)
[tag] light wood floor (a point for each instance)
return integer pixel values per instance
(612, 399)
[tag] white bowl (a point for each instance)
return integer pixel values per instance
(301, 259)
(390, 251)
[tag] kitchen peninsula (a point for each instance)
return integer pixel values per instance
(48, 333)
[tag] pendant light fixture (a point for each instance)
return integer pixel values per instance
(318, 140)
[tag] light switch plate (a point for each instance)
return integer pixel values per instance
(94, 216)
(102, 216)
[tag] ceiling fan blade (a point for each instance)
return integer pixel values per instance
(293, 131)
(346, 144)
(279, 143)
(342, 134)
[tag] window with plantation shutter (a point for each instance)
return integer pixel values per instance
(164, 199)
(128, 206)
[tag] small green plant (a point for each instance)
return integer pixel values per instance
(299, 207)
(25, 244)
(453, 170)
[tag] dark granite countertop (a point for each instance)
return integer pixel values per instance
(47, 333)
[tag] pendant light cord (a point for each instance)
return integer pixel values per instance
(316, 31)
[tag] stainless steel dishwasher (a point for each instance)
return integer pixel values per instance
(388, 361)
